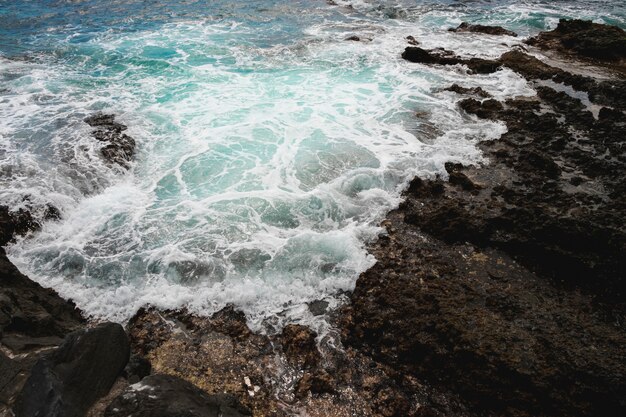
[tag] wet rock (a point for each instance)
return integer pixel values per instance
(353, 38)
(443, 57)
(489, 30)
(475, 91)
(119, 148)
(319, 382)
(169, 396)
(29, 312)
(486, 109)
(299, 345)
(584, 38)
(68, 380)
(137, 368)
(412, 41)
(473, 285)
(318, 307)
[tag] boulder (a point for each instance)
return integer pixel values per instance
(68, 380)
(162, 395)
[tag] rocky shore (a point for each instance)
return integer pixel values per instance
(498, 290)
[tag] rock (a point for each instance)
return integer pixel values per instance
(15, 223)
(319, 382)
(496, 283)
(168, 396)
(137, 368)
(476, 91)
(9, 379)
(29, 312)
(353, 38)
(68, 380)
(486, 109)
(489, 30)
(412, 41)
(120, 147)
(299, 345)
(584, 38)
(443, 57)
(318, 307)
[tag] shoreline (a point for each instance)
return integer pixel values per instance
(482, 301)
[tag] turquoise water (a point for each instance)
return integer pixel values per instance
(269, 147)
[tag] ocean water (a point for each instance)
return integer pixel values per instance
(269, 147)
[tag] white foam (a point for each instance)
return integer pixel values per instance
(262, 173)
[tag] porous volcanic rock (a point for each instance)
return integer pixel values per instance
(584, 38)
(504, 282)
(119, 148)
(488, 30)
(444, 57)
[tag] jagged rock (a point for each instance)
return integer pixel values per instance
(501, 326)
(443, 57)
(584, 38)
(28, 309)
(168, 396)
(476, 91)
(68, 380)
(489, 30)
(120, 147)
(299, 345)
(317, 383)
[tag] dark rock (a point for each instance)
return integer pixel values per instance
(489, 30)
(443, 57)
(473, 285)
(68, 380)
(28, 310)
(138, 367)
(412, 41)
(168, 396)
(319, 382)
(9, 378)
(353, 38)
(486, 109)
(584, 38)
(120, 148)
(476, 91)
(299, 345)
(318, 307)
(15, 223)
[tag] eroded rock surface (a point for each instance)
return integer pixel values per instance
(444, 57)
(488, 30)
(584, 38)
(505, 282)
(119, 147)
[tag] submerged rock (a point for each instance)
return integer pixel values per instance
(119, 148)
(489, 30)
(68, 380)
(169, 396)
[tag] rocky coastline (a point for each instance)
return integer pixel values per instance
(498, 291)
